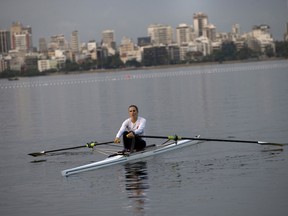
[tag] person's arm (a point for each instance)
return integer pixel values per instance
(120, 132)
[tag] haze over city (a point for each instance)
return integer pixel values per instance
(131, 18)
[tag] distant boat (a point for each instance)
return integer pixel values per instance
(13, 78)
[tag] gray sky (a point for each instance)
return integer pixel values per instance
(132, 17)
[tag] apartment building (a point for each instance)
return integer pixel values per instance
(160, 34)
(200, 21)
(183, 34)
(5, 43)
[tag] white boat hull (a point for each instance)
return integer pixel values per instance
(124, 158)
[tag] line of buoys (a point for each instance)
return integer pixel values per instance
(209, 69)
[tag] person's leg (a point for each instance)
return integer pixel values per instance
(126, 141)
(140, 144)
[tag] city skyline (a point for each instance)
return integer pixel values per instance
(131, 18)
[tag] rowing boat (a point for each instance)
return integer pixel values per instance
(123, 158)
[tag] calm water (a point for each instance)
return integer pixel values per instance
(241, 101)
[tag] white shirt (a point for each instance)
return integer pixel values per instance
(128, 125)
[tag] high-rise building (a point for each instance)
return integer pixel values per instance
(58, 42)
(160, 34)
(74, 42)
(22, 41)
(286, 33)
(92, 45)
(108, 39)
(126, 45)
(183, 34)
(259, 30)
(209, 31)
(5, 43)
(42, 45)
(236, 29)
(260, 38)
(21, 37)
(16, 27)
(92, 49)
(200, 21)
(127, 50)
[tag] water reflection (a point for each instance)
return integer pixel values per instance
(136, 185)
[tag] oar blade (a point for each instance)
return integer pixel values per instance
(268, 143)
(36, 154)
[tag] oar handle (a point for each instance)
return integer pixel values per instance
(93, 144)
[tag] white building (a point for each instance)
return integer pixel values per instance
(286, 33)
(200, 20)
(21, 37)
(160, 34)
(58, 42)
(128, 51)
(183, 34)
(74, 42)
(204, 45)
(3, 64)
(236, 29)
(60, 57)
(260, 38)
(92, 49)
(46, 64)
(108, 39)
(108, 36)
(21, 42)
(91, 45)
(187, 48)
(209, 31)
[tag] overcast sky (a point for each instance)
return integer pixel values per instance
(132, 17)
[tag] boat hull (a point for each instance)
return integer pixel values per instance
(117, 159)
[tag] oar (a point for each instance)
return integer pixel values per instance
(175, 137)
(89, 145)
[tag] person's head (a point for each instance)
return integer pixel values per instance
(133, 111)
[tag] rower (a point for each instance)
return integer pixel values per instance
(131, 129)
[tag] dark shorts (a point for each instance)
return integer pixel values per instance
(139, 143)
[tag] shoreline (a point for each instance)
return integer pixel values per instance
(155, 67)
(165, 66)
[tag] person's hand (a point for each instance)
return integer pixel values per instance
(130, 135)
(117, 140)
